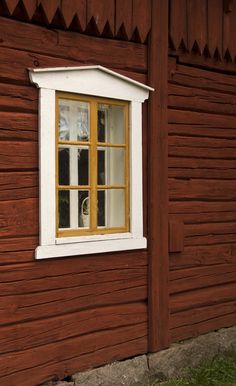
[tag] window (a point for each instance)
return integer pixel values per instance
(90, 161)
(92, 185)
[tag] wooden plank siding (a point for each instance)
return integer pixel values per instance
(202, 193)
(111, 19)
(203, 27)
(68, 314)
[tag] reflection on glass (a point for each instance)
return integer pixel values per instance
(111, 124)
(111, 166)
(82, 122)
(84, 205)
(111, 208)
(64, 208)
(73, 120)
(64, 121)
(64, 166)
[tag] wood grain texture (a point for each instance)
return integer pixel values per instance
(202, 184)
(124, 18)
(18, 185)
(23, 336)
(73, 9)
(178, 23)
(202, 320)
(77, 15)
(191, 76)
(203, 256)
(70, 46)
(215, 24)
(103, 13)
(72, 355)
(141, 18)
(157, 180)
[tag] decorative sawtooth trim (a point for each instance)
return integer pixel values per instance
(57, 14)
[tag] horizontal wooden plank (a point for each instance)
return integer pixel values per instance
(200, 130)
(18, 126)
(202, 320)
(202, 152)
(195, 99)
(18, 185)
(18, 98)
(73, 46)
(19, 217)
(189, 173)
(191, 317)
(200, 122)
(192, 76)
(202, 142)
(198, 189)
(201, 206)
(196, 329)
(207, 217)
(74, 280)
(69, 285)
(71, 355)
(91, 265)
(18, 155)
(13, 257)
(18, 244)
(97, 50)
(202, 297)
(203, 256)
(202, 277)
(32, 306)
(210, 239)
(210, 228)
(23, 336)
(200, 163)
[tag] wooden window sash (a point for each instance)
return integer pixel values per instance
(93, 187)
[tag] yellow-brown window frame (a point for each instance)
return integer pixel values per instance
(93, 187)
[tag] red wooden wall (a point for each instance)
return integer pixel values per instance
(63, 315)
(68, 314)
(203, 26)
(202, 199)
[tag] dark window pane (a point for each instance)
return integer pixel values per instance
(101, 167)
(64, 166)
(101, 215)
(64, 208)
(83, 166)
(102, 125)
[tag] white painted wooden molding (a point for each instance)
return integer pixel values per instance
(100, 82)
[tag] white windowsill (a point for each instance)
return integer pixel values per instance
(90, 247)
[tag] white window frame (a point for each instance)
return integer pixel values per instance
(100, 82)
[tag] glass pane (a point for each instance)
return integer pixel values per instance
(64, 208)
(84, 205)
(73, 165)
(73, 120)
(111, 166)
(83, 166)
(101, 217)
(111, 124)
(111, 208)
(101, 167)
(64, 166)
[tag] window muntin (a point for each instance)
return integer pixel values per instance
(92, 184)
